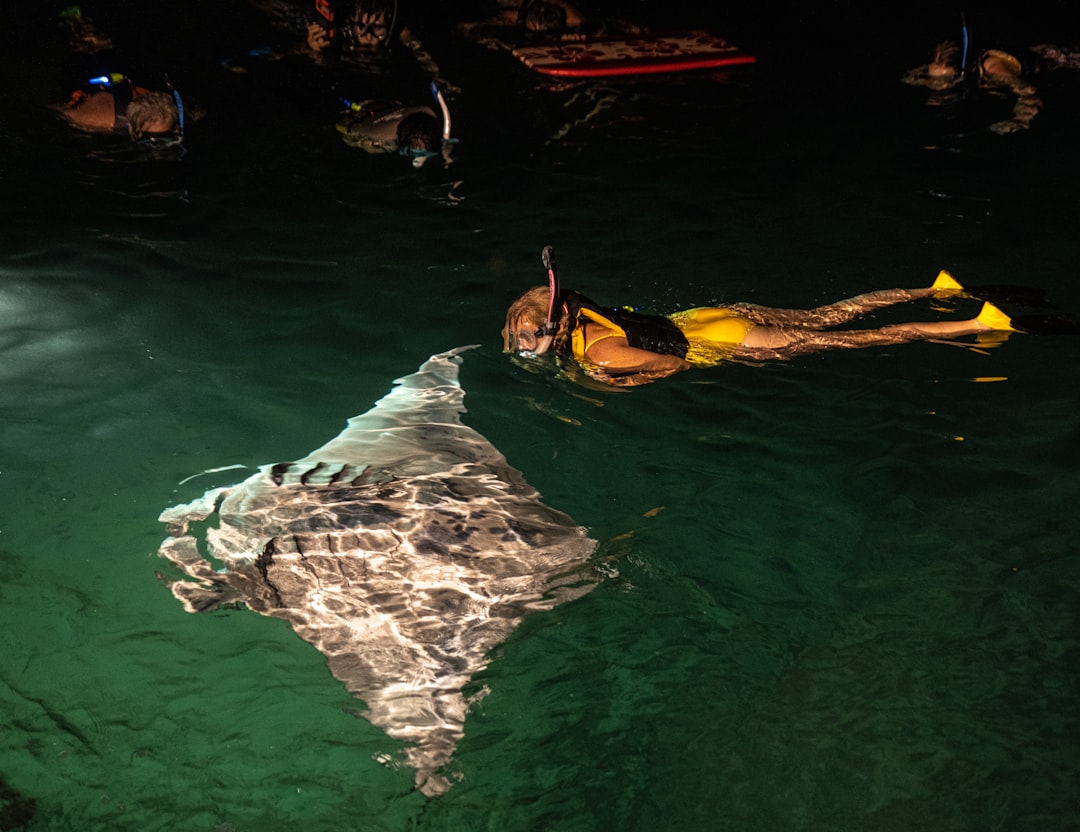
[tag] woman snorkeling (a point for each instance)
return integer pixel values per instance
(621, 347)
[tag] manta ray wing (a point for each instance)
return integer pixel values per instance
(416, 427)
(404, 549)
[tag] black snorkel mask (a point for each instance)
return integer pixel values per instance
(355, 34)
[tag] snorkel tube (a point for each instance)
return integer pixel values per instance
(445, 111)
(551, 325)
(964, 50)
(179, 109)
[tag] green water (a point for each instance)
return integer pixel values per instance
(843, 589)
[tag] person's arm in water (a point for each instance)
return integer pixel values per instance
(612, 353)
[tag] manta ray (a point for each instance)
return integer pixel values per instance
(405, 549)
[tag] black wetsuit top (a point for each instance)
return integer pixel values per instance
(654, 333)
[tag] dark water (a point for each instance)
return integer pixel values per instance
(844, 588)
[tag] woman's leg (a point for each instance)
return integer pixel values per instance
(798, 340)
(833, 314)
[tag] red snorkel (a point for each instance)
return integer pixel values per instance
(551, 325)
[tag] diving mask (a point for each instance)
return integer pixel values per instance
(529, 343)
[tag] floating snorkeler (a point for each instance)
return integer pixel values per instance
(391, 127)
(622, 347)
(351, 27)
(998, 72)
(114, 103)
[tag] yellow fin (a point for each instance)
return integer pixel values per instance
(945, 282)
(995, 319)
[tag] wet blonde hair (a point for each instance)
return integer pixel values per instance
(531, 305)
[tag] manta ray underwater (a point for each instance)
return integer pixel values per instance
(404, 550)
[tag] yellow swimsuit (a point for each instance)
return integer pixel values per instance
(578, 343)
(713, 333)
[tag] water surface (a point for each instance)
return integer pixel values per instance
(843, 589)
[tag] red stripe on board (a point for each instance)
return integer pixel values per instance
(642, 66)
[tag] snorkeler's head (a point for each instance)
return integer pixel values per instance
(548, 16)
(368, 25)
(153, 114)
(943, 70)
(419, 133)
(523, 331)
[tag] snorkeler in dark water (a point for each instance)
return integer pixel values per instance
(417, 132)
(113, 103)
(351, 26)
(621, 347)
(954, 65)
